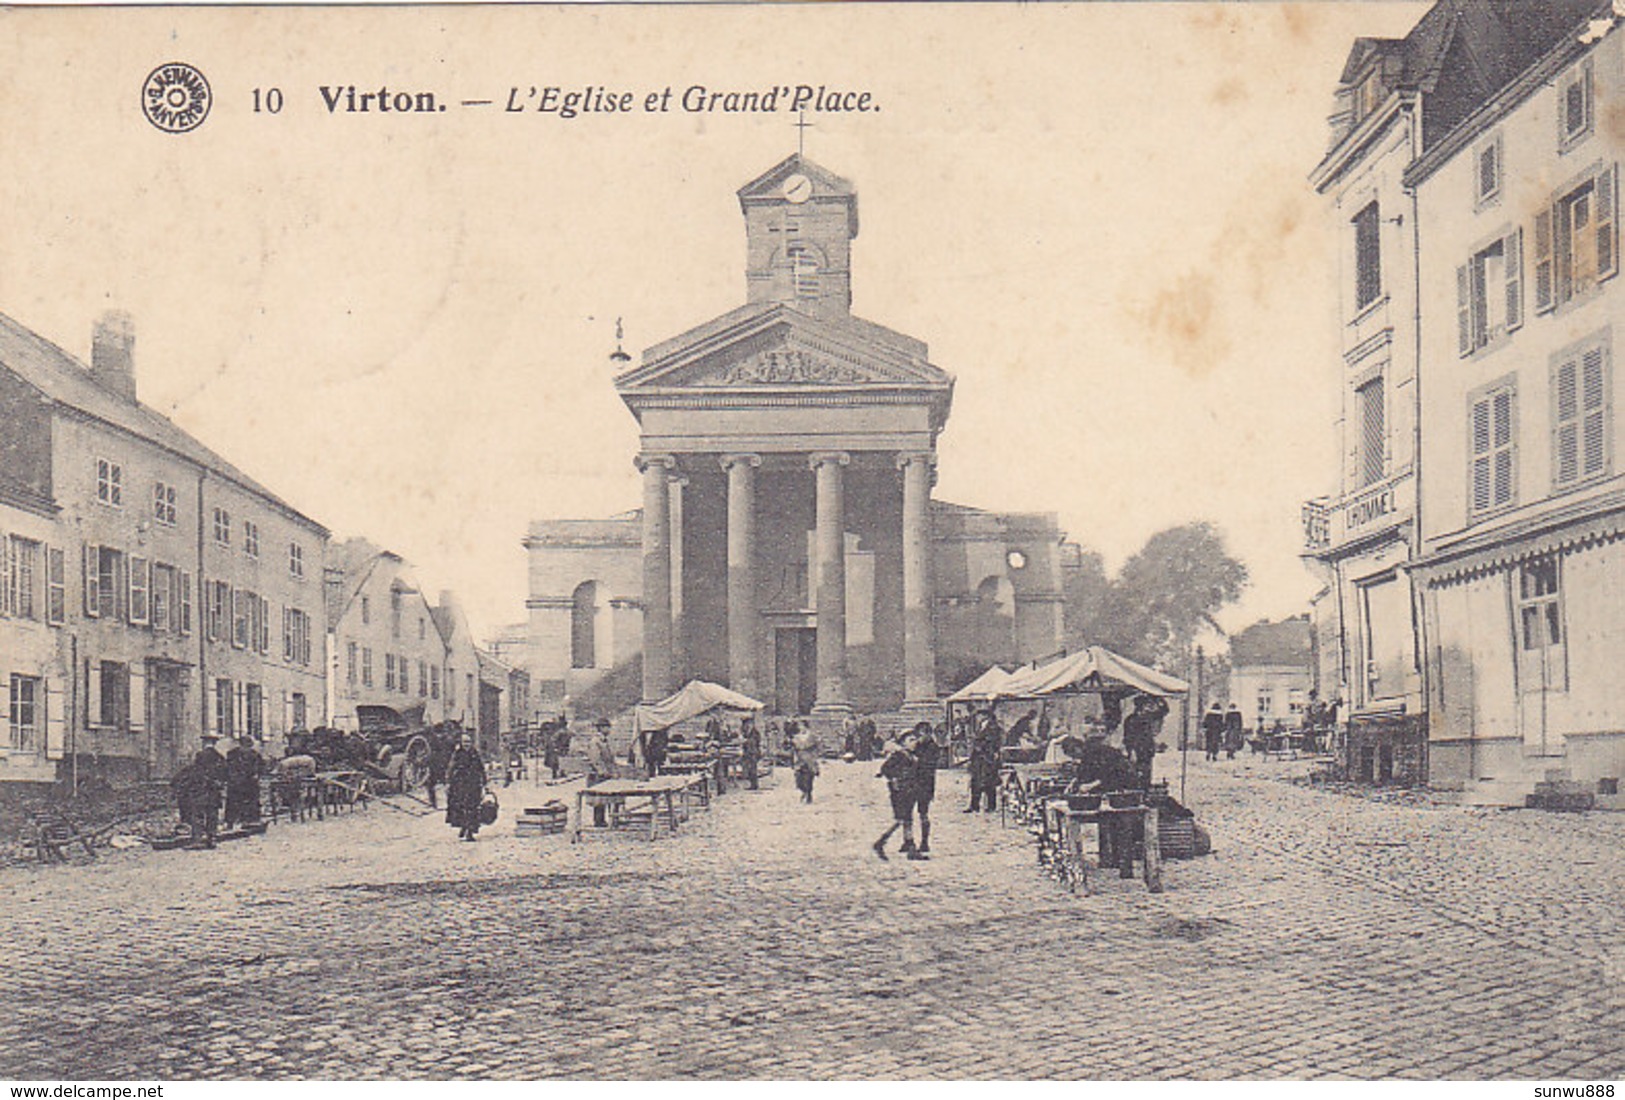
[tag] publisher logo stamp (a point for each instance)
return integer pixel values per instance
(176, 98)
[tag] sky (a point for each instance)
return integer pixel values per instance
(1097, 217)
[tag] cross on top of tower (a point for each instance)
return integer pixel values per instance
(802, 126)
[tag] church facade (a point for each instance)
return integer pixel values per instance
(788, 544)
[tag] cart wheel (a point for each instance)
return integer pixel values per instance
(415, 766)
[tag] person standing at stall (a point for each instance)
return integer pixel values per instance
(209, 779)
(1213, 726)
(750, 751)
(465, 787)
(1140, 731)
(985, 747)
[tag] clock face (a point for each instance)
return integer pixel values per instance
(1017, 559)
(798, 188)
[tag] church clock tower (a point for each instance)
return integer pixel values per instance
(800, 220)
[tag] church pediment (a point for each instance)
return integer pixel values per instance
(778, 348)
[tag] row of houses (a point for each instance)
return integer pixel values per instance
(1473, 615)
(152, 592)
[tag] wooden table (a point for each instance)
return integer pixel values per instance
(662, 791)
(1111, 820)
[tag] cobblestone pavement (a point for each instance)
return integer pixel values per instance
(1327, 937)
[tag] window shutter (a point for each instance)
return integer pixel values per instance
(93, 694)
(1607, 195)
(56, 585)
(1505, 448)
(56, 721)
(1464, 312)
(138, 698)
(140, 590)
(287, 711)
(93, 594)
(1543, 261)
(214, 707)
(1593, 409)
(1512, 251)
(185, 604)
(239, 711)
(1566, 464)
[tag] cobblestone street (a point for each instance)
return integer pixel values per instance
(1329, 936)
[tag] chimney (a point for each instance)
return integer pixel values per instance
(112, 353)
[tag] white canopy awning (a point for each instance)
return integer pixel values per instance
(1094, 670)
(984, 687)
(694, 698)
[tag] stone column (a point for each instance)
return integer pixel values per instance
(919, 647)
(741, 470)
(657, 632)
(677, 484)
(829, 584)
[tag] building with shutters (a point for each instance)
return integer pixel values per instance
(1472, 615)
(180, 594)
(1521, 575)
(384, 645)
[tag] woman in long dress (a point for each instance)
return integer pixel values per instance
(465, 787)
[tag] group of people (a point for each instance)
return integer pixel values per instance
(1225, 730)
(211, 777)
(910, 772)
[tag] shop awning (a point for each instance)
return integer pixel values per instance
(694, 698)
(983, 688)
(1094, 670)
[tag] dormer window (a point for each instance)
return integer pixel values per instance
(1368, 96)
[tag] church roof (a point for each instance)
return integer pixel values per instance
(65, 380)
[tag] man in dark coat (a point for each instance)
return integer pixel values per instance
(654, 751)
(465, 787)
(1235, 731)
(1140, 731)
(1022, 731)
(209, 768)
(928, 755)
(984, 764)
(750, 752)
(244, 766)
(442, 740)
(1213, 730)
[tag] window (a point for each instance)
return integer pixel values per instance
(241, 626)
(1493, 450)
(350, 659)
(109, 483)
(164, 606)
(423, 679)
(1389, 637)
(1574, 106)
(394, 612)
(1368, 96)
(255, 711)
(56, 586)
(113, 702)
(1576, 245)
(584, 626)
(366, 666)
(1489, 293)
(1540, 604)
(163, 503)
(140, 588)
(1487, 172)
(1373, 432)
(185, 602)
(105, 593)
(405, 667)
(222, 527)
(251, 538)
(423, 630)
(451, 686)
(434, 681)
(296, 560)
(366, 610)
(262, 625)
(295, 635)
(803, 263)
(389, 672)
(217, 602)
(1581, 396)
(297, 705)
(1367, 256)
(224, 711)
(19, 573)
(26, 696)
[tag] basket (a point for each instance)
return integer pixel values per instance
(1177, 838)
(542, 820)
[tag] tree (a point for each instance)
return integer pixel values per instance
(1163, 595)
(1086, 589)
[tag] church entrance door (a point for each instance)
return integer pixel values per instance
(795, 669)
